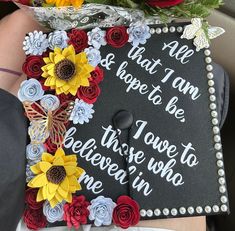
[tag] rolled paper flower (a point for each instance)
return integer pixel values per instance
(50, 102)
(117, 36)
(79, 40)
(35, 43)
(138, 32)
(34, 152)
(29, 174)
(30, 90)
(97, 75)
(34, 219)
(93, 56)
(96, 38)
(82, 112)
(30, 199)
(101, 211)
(53, 214)
(126, 213)
(32, 66)
(58, 39)
(76, 213)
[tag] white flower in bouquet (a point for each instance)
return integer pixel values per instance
(58, 39)
(93, 56)
(96, 38)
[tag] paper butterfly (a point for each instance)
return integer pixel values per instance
(201, 38)
(45, 124)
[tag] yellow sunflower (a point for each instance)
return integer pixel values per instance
(56, 177)
(65, 71)
(58, 3)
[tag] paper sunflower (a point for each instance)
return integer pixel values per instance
(58, 3)
(65, 71)
(56, 177)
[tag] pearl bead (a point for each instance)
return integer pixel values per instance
(210, 75)
(199, 209)
(222, 189)
(215, 121)
(208, 60)
(219, 155)
(215, 208)
(179, 29)
(212, 106)
(174, 212)
(158, 30)
(208, 209)
(143, 213)
(216, 129)
(149, 213)
(172, 29)
(212, 98)
(190, 210)
(207, 52)
(224, 208)
(220, 163)
(182, 210)
(222, 181)
(224, 199)
(152, 31)
(165, 29)
(211, 83)
(209, 67)
(217, 138)
(211, 90)
(221, 172)
(166, 212)
(157, 212)
(214, 113)
(218, 146)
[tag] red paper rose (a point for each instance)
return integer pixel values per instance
(30, 199)
(79, 39)
(97, 75)
(164, 3)
(32, 66)
(34, 219)
(126, 213)
(63, 98)
(89, 94)
(50, 147)
(117, 36)
(76, 213)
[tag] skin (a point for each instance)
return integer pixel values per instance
(12, 32)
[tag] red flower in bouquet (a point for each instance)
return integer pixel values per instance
(163, 3)
(79, 40)
(50, 147)
(76, 213)
(97, 75)
(34, 219)
(126, 213)
(30, 199)
(63, 98)
(117, 36)
(89, 94)
(32, 66)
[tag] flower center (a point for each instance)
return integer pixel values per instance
(65, 69)
(56, 174)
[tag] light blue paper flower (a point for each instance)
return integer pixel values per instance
(93, 56)
(53, 214)
(29, 174)
(96, 38)
(50, 102)
(35, 43)
(138, 32)
(34, 151)
(58, 39)
(101, 211)
(30, 90)
(82, 112)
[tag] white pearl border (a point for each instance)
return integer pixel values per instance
(223, 207)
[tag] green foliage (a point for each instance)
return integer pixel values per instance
(187, 9)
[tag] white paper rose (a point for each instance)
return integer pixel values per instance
(138, 32)
(101, 211)
(53, 214)
(82, 112)
(93, 56)
(34, 151)
(58, 39)
(30, 90)
(96, 38)
(50, 102)
(35, 43)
